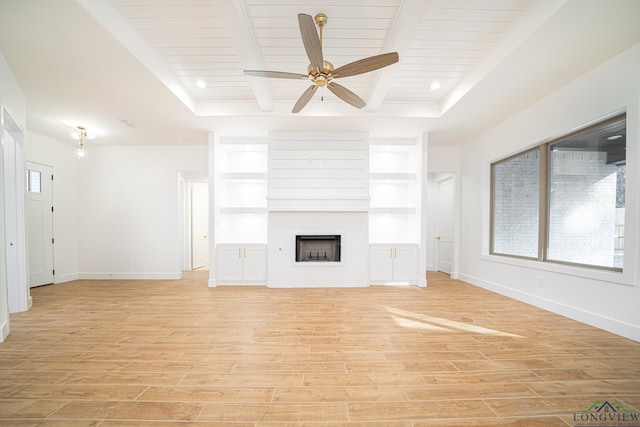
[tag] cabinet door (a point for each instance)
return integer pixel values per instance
(381, 263)
(230, 263)
(405, 263)
(255, 263)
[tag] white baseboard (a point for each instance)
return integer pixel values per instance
(62, 278)
(594, 319)
(130, 276)
(313, 286)
(4, 331)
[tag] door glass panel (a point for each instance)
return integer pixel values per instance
(34, 181)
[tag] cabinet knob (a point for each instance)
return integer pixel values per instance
(437, 237)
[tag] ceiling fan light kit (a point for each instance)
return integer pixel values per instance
(321, 72)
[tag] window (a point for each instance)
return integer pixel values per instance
(580, 217)
(516, 189)
(34, 180)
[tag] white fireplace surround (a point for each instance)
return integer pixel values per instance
(318, 184)
(351, 271)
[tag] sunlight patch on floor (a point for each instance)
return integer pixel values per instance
(409, 319)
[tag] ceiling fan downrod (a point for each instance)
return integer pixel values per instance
(321, 78)
(320, 20)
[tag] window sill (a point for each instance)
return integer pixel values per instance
(621, 278)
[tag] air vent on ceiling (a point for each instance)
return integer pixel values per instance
(128, 123)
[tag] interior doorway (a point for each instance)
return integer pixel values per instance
(444, 223)
(199, 225)
(193, 220)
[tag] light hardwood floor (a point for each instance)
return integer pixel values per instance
(165, 353)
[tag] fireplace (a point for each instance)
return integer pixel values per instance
(318, 248)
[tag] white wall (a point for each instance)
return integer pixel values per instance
(129, 210)
(59, 155)
(12, 100)
(605, 299)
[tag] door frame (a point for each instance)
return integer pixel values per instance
(13, 194)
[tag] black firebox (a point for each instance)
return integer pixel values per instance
(318, 248)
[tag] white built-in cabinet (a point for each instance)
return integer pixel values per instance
(394, 214)
(242, 263)
(240, 210)
(393, 263)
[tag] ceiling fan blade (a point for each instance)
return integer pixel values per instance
(304, 98)
(311, 40)
(346, 95)
(365, 65)
(275, 74)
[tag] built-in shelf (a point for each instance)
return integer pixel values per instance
(394, 187)
(240, 191)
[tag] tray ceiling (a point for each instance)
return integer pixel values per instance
(127, 69)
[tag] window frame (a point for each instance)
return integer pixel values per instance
(544, 149)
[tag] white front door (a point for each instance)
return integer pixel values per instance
(199, 225)
(39, 215)
(444, 225)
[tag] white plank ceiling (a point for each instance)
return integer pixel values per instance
(213, 41)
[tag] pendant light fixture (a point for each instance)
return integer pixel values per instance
(80, 152)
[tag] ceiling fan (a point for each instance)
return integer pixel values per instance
(321, 72)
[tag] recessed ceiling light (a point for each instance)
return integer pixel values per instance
(201, 84)
(614, 137)
(435, 86)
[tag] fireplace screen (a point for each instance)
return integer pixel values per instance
(325, 248)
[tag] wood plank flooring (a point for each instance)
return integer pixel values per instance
(171, 353)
